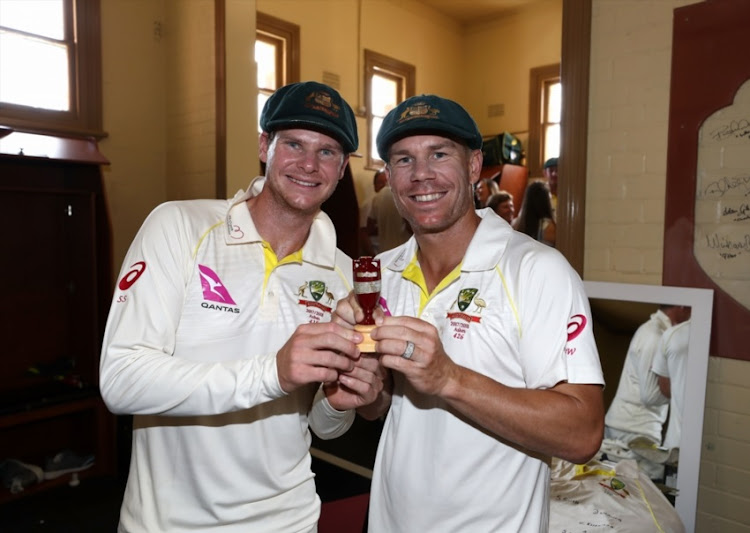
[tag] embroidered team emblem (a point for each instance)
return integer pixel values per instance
(322, 101)
(464, 298)
(317, 289)
(469, 307)
(315, 309)
(418, 110)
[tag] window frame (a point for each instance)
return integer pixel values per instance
(286, 36)
(540, 78)
(403, 73)
(84, 119)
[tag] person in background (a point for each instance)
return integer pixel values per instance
(386, 222)
(483, 190)
(502, 204)
(639, 409)
(488, 341)
(368, 239)
(670, 364)
(219, 338)
(550, 174)
(535, 217)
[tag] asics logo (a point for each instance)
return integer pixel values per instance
(213, 289)
(575, 326)
(132, 275)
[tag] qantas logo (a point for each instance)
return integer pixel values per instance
(213, 289)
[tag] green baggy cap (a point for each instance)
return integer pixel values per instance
(311, 105)
(427, 114)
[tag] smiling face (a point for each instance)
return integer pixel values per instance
(303, 168)
(432, 179)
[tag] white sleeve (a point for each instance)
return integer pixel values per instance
(648, 381)
(327, 422)
(557, 333)
(659, 365)
(138, 372)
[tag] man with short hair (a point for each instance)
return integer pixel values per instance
(502, 204)
(488, 341)
(219, 338)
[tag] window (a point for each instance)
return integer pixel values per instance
(545, 105)
(387, 83)
(50, 66)
(276, 54)
(551, 119)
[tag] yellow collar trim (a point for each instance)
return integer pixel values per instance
(271, 261)
(413, 273)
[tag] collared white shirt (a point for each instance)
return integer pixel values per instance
(513, 310)
(201, 308)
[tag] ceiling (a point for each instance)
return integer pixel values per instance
(469, 11)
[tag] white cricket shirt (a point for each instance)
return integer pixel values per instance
(671, 362)
(639, 408)
(199, 312)
(515, 311)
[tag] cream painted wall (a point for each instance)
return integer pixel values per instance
(631, 49)
(242, 131)
(328, 36)
(159, 105)
(420, 36)
(134, 98)
(188, 36)
(499, 55)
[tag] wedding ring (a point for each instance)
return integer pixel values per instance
(409, 351)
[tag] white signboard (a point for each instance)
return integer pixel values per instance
(722, 200)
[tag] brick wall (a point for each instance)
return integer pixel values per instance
(724, 495)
